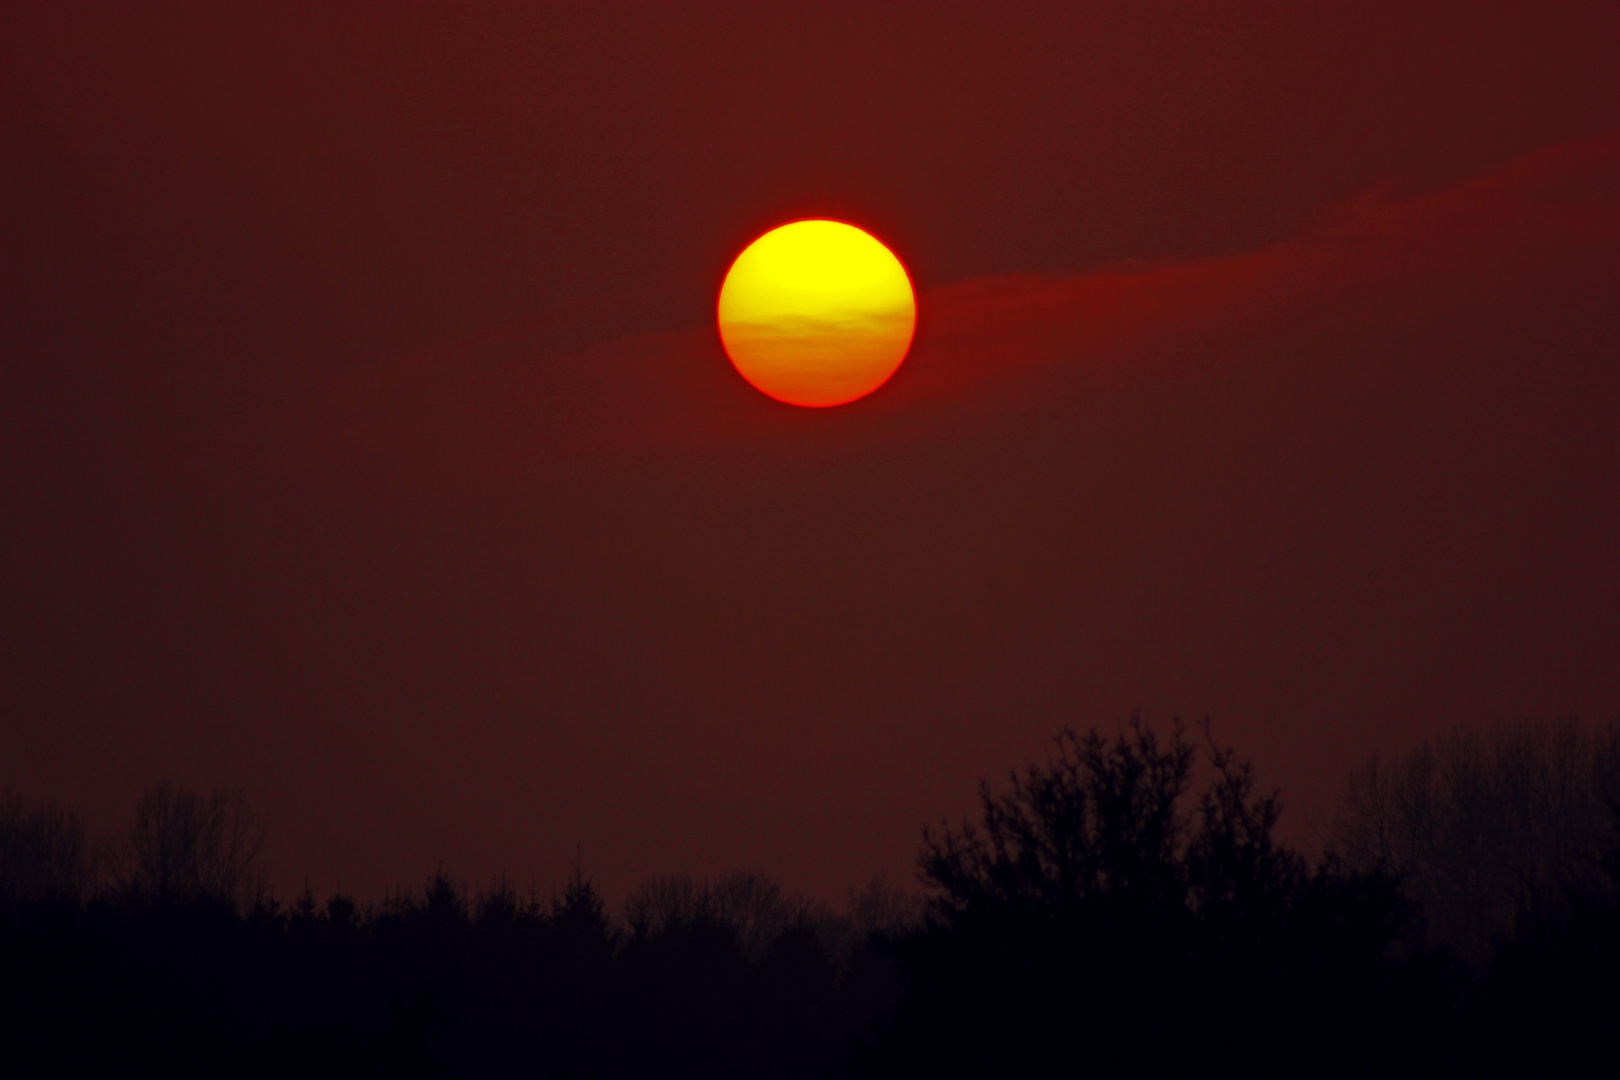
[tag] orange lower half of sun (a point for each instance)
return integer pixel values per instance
(816, 366)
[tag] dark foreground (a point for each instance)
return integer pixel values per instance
(1104, 915)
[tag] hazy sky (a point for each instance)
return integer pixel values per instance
(367, 442)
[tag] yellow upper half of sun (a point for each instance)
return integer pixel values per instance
(817, 313)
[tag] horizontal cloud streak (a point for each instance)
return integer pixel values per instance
(496, 409)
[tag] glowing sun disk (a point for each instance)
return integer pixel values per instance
(817, 313)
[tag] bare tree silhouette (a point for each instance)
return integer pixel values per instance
(45, 854)
(185, 846)
(879, 910)
(752, 907)
(1487, 829)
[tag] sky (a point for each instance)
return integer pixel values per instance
(366, 442)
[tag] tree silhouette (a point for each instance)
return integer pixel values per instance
(752, 908)
(879, 910)
(1550, 1004)
(1487, 830)
(44, 854)
(1097, 916)
(1098, 825)
(185, 847)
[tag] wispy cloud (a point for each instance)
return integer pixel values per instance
(494, 409)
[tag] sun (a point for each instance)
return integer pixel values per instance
(817, 313)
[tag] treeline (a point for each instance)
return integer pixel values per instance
(1121, 908)
(162, 953)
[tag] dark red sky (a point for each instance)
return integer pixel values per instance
(367, 443)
